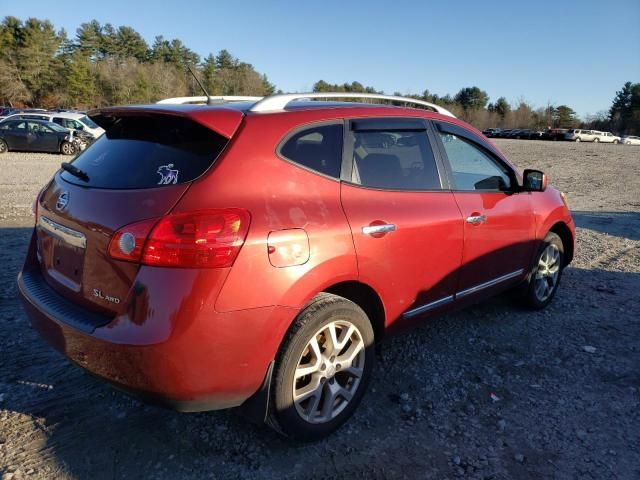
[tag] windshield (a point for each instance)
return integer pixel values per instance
(88, 122)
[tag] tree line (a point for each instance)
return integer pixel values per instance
(107, 65)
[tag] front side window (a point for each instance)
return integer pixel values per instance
(394, 160)
(472, 168)
(318, 148)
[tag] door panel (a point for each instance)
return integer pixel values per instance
(406, 229)
(417, 262)
(499, 244)
(47, 141)
(499, 228)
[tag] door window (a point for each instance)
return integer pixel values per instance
(394, 160)
(472, 168)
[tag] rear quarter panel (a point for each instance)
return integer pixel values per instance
(279, 195)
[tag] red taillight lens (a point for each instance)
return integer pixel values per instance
(201, 239)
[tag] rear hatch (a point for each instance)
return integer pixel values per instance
(137, 170)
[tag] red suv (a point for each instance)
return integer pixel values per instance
(252, 253)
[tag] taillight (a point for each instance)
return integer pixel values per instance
(128, 242)
(200, 239)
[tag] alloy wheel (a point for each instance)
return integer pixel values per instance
(68, 149)
(329, 372)
(547, 272)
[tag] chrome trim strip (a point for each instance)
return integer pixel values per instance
(66, 234)
(445, 300)
(428, 306)
(490, 283)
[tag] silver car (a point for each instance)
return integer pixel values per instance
(579, 135)
(630, 140)
(607, 137)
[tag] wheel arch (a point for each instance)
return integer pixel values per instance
(366, 298)
(562, 230)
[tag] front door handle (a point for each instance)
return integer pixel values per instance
(378, 230)
(476, 219)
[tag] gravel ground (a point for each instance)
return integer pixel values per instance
(493, 392)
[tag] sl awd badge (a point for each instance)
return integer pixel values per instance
(62, 201)
(98, 294)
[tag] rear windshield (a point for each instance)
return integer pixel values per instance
(148, 152)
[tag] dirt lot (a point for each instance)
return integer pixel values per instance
(565, 381)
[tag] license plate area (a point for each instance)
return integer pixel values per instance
(61, 251)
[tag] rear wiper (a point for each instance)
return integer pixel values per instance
(75, 171)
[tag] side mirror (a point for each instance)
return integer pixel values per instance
(534, 181)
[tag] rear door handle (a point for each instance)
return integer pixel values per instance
(476, 219)
(379, 229)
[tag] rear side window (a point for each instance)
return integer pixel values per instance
(394, 160)
(147, 152)
(318, 148)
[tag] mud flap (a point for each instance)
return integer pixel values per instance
(256, 407)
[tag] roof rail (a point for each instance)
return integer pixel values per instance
(276, 103)
(203, 99)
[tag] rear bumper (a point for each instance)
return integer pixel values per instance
(182, 355)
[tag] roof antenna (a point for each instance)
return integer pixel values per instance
(209, 102)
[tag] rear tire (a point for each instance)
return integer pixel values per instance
(543, 279)
(67, 148)
(322, 370)
(4, 148)
(596, 140)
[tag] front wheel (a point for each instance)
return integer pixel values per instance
(68, 148)
(543, 280)
(322, 370)
(596, 140)
(578, 140)
(3, 146)
(615, 142)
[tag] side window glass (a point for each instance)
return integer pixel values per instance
(394, 160)
(58, 120)
(318, 148)
(472, 168)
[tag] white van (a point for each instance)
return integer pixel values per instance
(69, 120)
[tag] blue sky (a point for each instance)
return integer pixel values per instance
(573, 52)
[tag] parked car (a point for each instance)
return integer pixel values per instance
(68, 120)
(535, 134)
(581, 135)
(491, 132)
(630, 140)
(519, 133)
(36, 136)
(554, 134)
(607, 137)
(252, 253)
(504, 133)
(6, 111)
